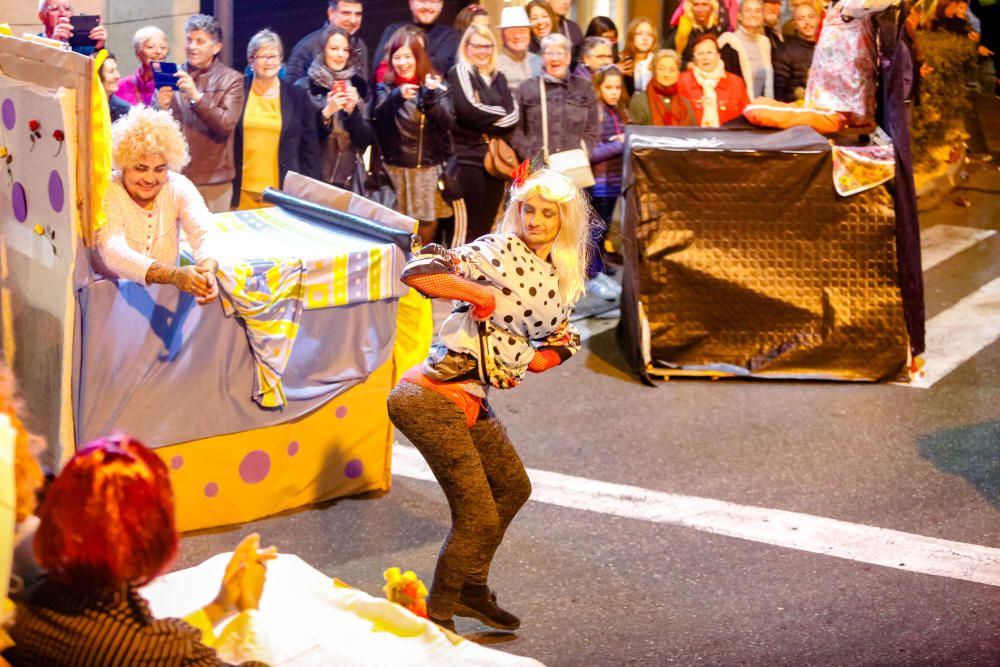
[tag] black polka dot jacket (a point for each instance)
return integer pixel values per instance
(530, 314)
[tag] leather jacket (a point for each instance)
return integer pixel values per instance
(417, 132)
(208, 125)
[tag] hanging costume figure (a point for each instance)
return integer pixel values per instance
(519, 286)
(843, 77)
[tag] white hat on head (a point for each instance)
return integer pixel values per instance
(514, 17)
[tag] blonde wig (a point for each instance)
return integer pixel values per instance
(713, 19)
(143, 132)
(570, 249)
(485, 33)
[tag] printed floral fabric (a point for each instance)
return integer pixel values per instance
(842, 76)
(856, 169)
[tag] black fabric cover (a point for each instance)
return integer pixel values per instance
(743, 259)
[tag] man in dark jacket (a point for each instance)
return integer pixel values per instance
(792, 59)
(571, 107)
(207, 104)
(344, 13)
(442, 40)
(772, 23)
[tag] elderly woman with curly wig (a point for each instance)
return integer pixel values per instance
(150, 44)
(519, 286)
(106, 529)
(148, 202)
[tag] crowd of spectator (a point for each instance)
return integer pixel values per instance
(431, 96)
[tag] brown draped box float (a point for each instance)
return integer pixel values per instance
(741, 259)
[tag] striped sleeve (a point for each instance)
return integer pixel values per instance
(505, 119)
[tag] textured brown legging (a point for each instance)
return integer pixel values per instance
(481, 475)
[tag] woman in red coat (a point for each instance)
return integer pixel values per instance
(717, 96)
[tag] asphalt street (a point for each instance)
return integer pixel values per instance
(599, 588)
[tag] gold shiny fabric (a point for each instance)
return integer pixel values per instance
(747, 262)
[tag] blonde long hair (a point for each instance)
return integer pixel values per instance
(485, 33)
(570, 249)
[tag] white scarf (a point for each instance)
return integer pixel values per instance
(709, 100)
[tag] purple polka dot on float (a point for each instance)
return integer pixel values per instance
(19, 202)
(255, 466)
(353, 469)
(57, 195)
(8, 113)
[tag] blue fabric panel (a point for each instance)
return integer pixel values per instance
(155, 365)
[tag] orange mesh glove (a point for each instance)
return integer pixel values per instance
(543, 360)
(450, 286)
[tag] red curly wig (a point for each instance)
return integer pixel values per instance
(108, 518)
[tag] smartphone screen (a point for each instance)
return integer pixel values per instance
(82, 25)
(163, 74)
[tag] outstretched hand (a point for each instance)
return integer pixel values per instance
(243, 581)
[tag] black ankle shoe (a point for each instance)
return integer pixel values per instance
(448, 624)
(482, 606)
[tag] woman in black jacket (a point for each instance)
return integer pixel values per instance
(413, 121)
(484, 108)
(338, 94)
(276, 132)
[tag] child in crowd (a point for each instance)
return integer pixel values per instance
(606, 160)
(641, 42)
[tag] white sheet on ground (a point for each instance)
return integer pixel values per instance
(310, 622)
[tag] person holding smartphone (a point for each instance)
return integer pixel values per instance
(57, 20)
(150, 45)
(414, 116)
(276, 131)
(338, 92)
(207, 103)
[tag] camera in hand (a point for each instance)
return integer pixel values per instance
(82, 25)
(164, 74)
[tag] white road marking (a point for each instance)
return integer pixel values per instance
(942, 242)
(955, 335)
(792, 530)
(594, 326)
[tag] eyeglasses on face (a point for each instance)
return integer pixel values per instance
(480, 47)
(554, 53)
(267, 57)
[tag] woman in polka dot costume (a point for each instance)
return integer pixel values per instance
(519, 286)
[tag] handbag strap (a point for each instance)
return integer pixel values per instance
(545, 120)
